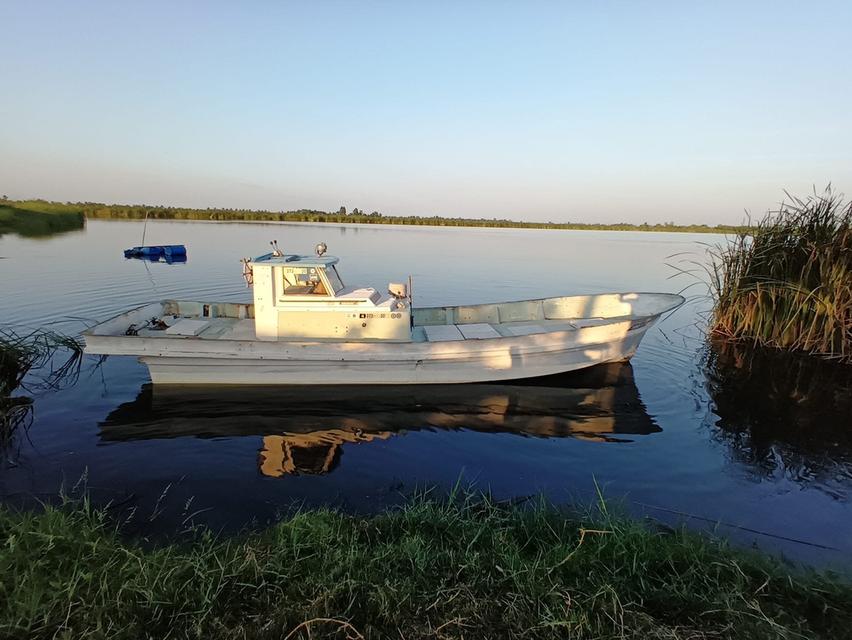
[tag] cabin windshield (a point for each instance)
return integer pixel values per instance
(334, 279)
(303, 281)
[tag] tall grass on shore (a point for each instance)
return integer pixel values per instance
(463, 568)
(787, 281)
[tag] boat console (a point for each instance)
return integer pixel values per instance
(297, 296)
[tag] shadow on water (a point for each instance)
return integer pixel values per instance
(304, 429)
(16, 415)
(784, 416)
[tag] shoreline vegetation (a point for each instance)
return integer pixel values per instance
(98, 211)
(31, 353)
(786, 282)
(466, 567)
(36, 221)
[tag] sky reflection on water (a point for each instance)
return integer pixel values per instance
(709, 433)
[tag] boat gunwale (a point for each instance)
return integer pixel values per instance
(578, 295)
(677, 301)
(327, 352)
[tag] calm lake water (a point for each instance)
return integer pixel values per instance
(760, 445)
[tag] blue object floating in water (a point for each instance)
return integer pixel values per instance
(168, 250)
(174, 250)
(162, 258)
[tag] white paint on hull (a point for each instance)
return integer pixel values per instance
(227, 353)
(485, 367)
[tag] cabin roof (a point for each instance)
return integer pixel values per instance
(297, 260)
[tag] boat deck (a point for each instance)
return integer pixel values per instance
(243, 329)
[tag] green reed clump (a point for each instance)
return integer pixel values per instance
(463, 568)
(35, 351)
(21, 353)
(787, 281)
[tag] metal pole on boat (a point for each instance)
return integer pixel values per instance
(410, 302)
(145, 227)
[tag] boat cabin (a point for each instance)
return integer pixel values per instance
(298, 296)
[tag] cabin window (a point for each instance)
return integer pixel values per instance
(334, 279)
(303, 281)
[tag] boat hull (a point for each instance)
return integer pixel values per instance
(536, 338)
(525, 359)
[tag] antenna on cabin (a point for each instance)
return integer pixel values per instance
(275, 250)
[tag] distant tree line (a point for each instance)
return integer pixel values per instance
(96, 210)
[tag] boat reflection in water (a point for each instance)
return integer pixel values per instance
(783, 415)
(304, 429)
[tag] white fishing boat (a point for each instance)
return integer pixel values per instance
(306, 327)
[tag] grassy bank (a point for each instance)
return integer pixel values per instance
(787, 282)
(137, 212)
(468, 568)
(34, 223)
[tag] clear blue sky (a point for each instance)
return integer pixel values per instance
(530, 110)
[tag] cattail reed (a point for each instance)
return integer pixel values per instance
(786, 282)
